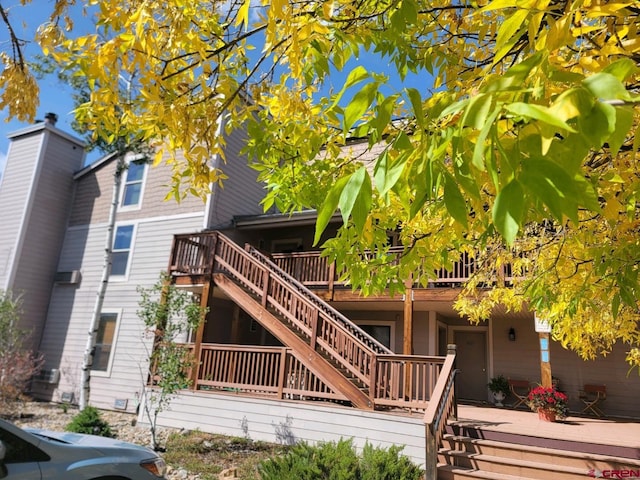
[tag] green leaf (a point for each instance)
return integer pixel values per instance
(328, 208)
(606, 86)
(416, 104)
(508, 210)
(362, 205)
(477, 111)
(359, 105)
(624, 122)
(454, 201)
(622, 69)
(386, 173)
(538, 112)
(598, 124)
(552, 185)
(515, 77)
(478, 150)
(350, 192)
(355, 76)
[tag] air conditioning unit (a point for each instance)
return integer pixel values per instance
(67, 278)
(51, 376)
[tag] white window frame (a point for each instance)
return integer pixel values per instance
(125, 275)
(125, 183)
(382, 323)
(118, 313)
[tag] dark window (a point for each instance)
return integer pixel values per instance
(121, 249)
(19, 450)
(104, 341)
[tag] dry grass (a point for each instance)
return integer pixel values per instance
(210, 454)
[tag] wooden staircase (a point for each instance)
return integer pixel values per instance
(335, 349)
(471, 453)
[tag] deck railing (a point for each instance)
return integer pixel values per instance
(388, 380)
(266, 371)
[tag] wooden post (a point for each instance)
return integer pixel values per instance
(407, 344)
(332, 273)
(282, 372)
(451, 350)
(197, 347)
(545, 360)
(431, 453)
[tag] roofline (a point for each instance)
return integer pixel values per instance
(95, 165)
(46, 126)
(272, 220)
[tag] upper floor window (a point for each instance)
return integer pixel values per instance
(133, 183)
(121, 249)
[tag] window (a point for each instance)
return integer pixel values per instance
(104, 341)
(132, 190)
(382, 331)
(121, 250)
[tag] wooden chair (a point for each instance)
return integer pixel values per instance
(593, 396)
(520, 390)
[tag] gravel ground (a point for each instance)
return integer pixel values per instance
(53, 417)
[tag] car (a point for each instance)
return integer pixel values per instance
(33, 454)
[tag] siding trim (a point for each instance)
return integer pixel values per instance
(161, 218)
(28, 208)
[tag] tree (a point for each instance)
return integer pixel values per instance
(17, 365)
(168, 313)
(521, 149)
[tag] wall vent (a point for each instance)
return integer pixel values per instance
(67, 278)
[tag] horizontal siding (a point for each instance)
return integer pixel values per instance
(242, 193)
(72, 308)
(288, 422)
(45, 229)
(15, 185)
(521, 360)
(94, 192)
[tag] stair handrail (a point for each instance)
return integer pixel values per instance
(442, 406)
(375, 345)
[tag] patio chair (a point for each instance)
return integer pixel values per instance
(520, 390)
(593, 396)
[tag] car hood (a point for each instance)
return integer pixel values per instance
(84, 440)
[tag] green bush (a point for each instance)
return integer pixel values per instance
(89, 421)
(339, 461)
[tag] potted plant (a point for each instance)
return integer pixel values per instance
(499, 386)
(548, 402)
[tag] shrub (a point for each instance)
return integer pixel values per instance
(89, 421)
(339, 461)
(17, 364)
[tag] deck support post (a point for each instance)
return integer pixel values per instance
(197, 346)
(407, 346)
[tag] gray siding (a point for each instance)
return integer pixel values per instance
(37, 193)
(94, 192)
(288, 422)
(15, 187)
(242, 193)
(72, 307)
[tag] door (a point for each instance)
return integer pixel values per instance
(471, 360)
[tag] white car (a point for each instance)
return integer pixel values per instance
(32, 454)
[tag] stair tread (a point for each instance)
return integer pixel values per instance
(536, 449)
(514, 461)
(478, 473)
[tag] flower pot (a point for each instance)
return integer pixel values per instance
(546, 415)
(499, 397)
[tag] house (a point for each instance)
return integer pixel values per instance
(287, 351)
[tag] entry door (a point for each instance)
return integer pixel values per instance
(471, 360)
